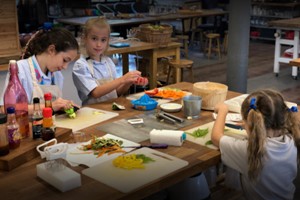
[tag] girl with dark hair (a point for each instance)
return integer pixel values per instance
(45, 55)
(266, 162)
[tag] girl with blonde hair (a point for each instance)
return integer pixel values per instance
(94, 75)
(267, 161)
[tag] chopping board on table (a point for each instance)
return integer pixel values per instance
(78, 156)
(128, 180)
(240, 134)
(85, 117)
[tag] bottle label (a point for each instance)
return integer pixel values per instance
(37, 126)
(14, 137)
(23, 121)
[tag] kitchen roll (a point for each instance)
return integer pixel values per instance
(169, 137)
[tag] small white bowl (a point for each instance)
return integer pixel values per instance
(171, 107)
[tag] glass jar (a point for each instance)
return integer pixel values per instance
(4, 144)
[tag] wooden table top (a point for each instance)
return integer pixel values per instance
(24, 179)
(295, 62)
(293, 23)
(147, 19)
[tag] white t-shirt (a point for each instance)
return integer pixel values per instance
(279, 170)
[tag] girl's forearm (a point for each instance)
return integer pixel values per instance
(218, 128)
(102, 90)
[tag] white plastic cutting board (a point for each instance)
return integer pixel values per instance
(202, 140)
(77, 156)
(128, 180)
(84, 117)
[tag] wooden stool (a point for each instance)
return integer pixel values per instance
(213, 38)
(225, 42)
(179, 66)
(183, 39)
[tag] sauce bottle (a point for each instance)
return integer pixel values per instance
(15, 96)
(14, 136)
(4, 145)
(48, 132)
(37, 119)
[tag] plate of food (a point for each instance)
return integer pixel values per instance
(99, 149)
(171, 107)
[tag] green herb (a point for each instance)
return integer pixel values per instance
(199, 133)
(208, 142)
(144, 158)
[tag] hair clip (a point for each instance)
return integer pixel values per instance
(293, 109)
(252, 104)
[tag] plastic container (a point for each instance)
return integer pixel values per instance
(144, 103)
(4, 145)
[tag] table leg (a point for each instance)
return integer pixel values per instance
(178, 70)
(295, 53)
(125, 63)
(277, 52)
(153, 69)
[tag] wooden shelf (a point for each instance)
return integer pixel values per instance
(260, 26)
(273, 16)
(276, 4)
(263, 38)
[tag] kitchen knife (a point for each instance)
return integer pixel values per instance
(234, 126)
(152, 146)
(173, 117)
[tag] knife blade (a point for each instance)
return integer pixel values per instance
(238, 127)
(152, 146)
(173, 117)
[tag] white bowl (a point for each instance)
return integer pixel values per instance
(171, 107)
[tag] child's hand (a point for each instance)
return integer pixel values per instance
(131, 77)
(221, 107)
(141, 81)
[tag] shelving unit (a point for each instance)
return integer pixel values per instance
(264, 11)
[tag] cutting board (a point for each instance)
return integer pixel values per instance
(240, 134)
(85, 117)
(128, 180)
(75, 155)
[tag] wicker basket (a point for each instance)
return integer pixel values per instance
(211, 93)
(161, 36)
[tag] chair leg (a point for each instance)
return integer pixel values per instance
(191, 73)
(209, 48)
(219, 48)
(169, 73)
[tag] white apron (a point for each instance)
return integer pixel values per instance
(40, 90)
(102, 81)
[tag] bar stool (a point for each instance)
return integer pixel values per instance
(179, 66)
(183, 39)
(225, 42)
(213, 44)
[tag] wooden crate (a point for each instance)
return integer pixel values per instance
(27, 150)
(9, 32)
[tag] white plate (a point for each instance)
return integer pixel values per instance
(171, 107)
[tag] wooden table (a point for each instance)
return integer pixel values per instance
(282, 25)
(150, 51)
(295, 62)
(79, 21)
(22, 182)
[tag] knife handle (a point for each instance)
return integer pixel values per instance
(158, 146)
(174, 117)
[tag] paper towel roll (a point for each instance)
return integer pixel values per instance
(169, 137)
